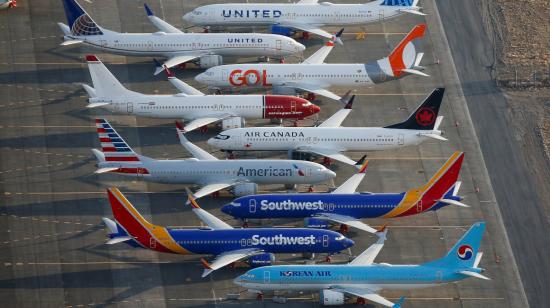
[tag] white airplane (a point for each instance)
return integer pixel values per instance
(305, 15)
(191, 105)
(207, 49)
(7, 4)
(313, 75)
(205, 170)
(330, 140)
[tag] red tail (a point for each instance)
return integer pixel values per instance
(396, 58)
(443, 180)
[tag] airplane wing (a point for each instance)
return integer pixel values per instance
(159, 23)
(227, 258)
(212, 221)
(211, 188)
(336, 119)
(307, 28)
(314, 89)
(367, 294)
(368, 256)
(200, 122)
(320, 55)
(347, 220)
(197, 152)
(175, 60)
(180, 85)
(350, 186)
(331, 153)
(307, 2)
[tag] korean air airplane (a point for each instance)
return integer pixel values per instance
(365, 279)
(314, 76)
(305, 15)
(191, 105)
(219, 239)
(207, 49)
(205, 170)
(329, 139)
(345, 206)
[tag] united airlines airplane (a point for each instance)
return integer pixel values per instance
(329, 139)
(345, 206)
(365, 279)
(305, 15)
(205, 48)
(191, 105)
(219, 239)
(204, 169)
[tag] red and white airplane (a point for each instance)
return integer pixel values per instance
(315, 76)
(190, 105)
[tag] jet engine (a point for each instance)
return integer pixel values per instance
(233, 122)
(331, 298)
(209, 61)
(312, 222)
(264, 259)
(245, 189)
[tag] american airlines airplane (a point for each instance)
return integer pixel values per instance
(315, 76)
(305, 15)
(205, 170)
(330, 140)
(205, 48)
(347, 207)
(365, 279)
(190, 105)
(219, 239)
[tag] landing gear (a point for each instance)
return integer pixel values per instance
(344, 228)
(206, 30)
(311, 96)
(282, 60)
(328, 259)
(327, 161)
(216, 194)
(305, 35)
(260, 296)
(230, 155)
(245, 224)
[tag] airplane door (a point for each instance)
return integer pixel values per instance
(439, 276)
(331, 207)
(152, 243)
(401, 139)
(325, 240)
(278, 45)
(293, 106)
(267, 278)
(419, 206)
(130, 107)
(149, 45)
(225, 76)
(252, 206)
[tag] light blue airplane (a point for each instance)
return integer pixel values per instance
(365, 279)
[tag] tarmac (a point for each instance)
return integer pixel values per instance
(52, 240)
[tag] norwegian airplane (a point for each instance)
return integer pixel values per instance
(330, 140)
(191, 105)
(306, 15)
(347, 207)
(207, 49)
(7, 4)
(205, 170)
(219, 239)
(315, 76)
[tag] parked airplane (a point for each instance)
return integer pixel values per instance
(191, 105)
(219, 239)
(365, 279)
(7, 4)
(243, 175)
(315, 76)
(306, 15)
(330, 140)
(205, 48)
(345, 206)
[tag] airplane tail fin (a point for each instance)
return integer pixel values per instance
(115, 149)
(80, 23)
(105, 83)
(404, 58)
(425, 115)
(464, 255)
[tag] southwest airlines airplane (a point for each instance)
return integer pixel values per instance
(179, 47)
(305, 15)
(330, 140)
(219, 239)
(191, 105)
(345, 206)
(205, 170)
(315, 76)
(365, 279)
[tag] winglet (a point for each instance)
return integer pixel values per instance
(362, 164)
(191, 199)
(337, 36)
(180, 127)
(92, 58)
(382, 229)
(168, 72)
(346, 97)
(349, 104)
(399, 302)
(148, 10)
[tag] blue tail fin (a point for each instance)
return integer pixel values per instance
(463, 253)
(79, 21)
(398, 2)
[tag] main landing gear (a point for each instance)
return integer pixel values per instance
(360, 301)
(327, 161)
(311, 96)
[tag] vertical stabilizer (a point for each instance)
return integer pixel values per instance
(105, 83)
(80, 23)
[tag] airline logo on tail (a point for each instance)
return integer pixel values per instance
(112, 145)
(465, 252)
(79, 21)
(425, 116)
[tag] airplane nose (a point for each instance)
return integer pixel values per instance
(213, 142)
(187, 17)
(300, 47)
(329, 174)
(315, 109)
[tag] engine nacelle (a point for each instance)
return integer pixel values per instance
(245, 189)
(209, 61)
(233, 122)
(312, 222)
(276, 29)
(264, 259)
(331, 298)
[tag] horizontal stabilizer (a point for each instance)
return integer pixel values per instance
(119, 239)
(435, 136)
(98, 155)
(105, 170)
(91, 91)
(415, 72)
(71, 42)
(474, 274)
(412, 11)
(453, 202)
(96, 105)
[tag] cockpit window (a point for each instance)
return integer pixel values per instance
(341, 237)
(196, 12)
(222, 137)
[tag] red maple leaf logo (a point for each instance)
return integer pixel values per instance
(425, 117)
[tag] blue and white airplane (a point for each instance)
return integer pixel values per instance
(365, 279)
(345, 206)
(220, 239)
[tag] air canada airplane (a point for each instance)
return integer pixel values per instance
(205, 170)
(305, 15)
(365, 279)
(315, 76)
(330, 140)
(219, 239)
(345, 206)
(190, 105)
(205, 48)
